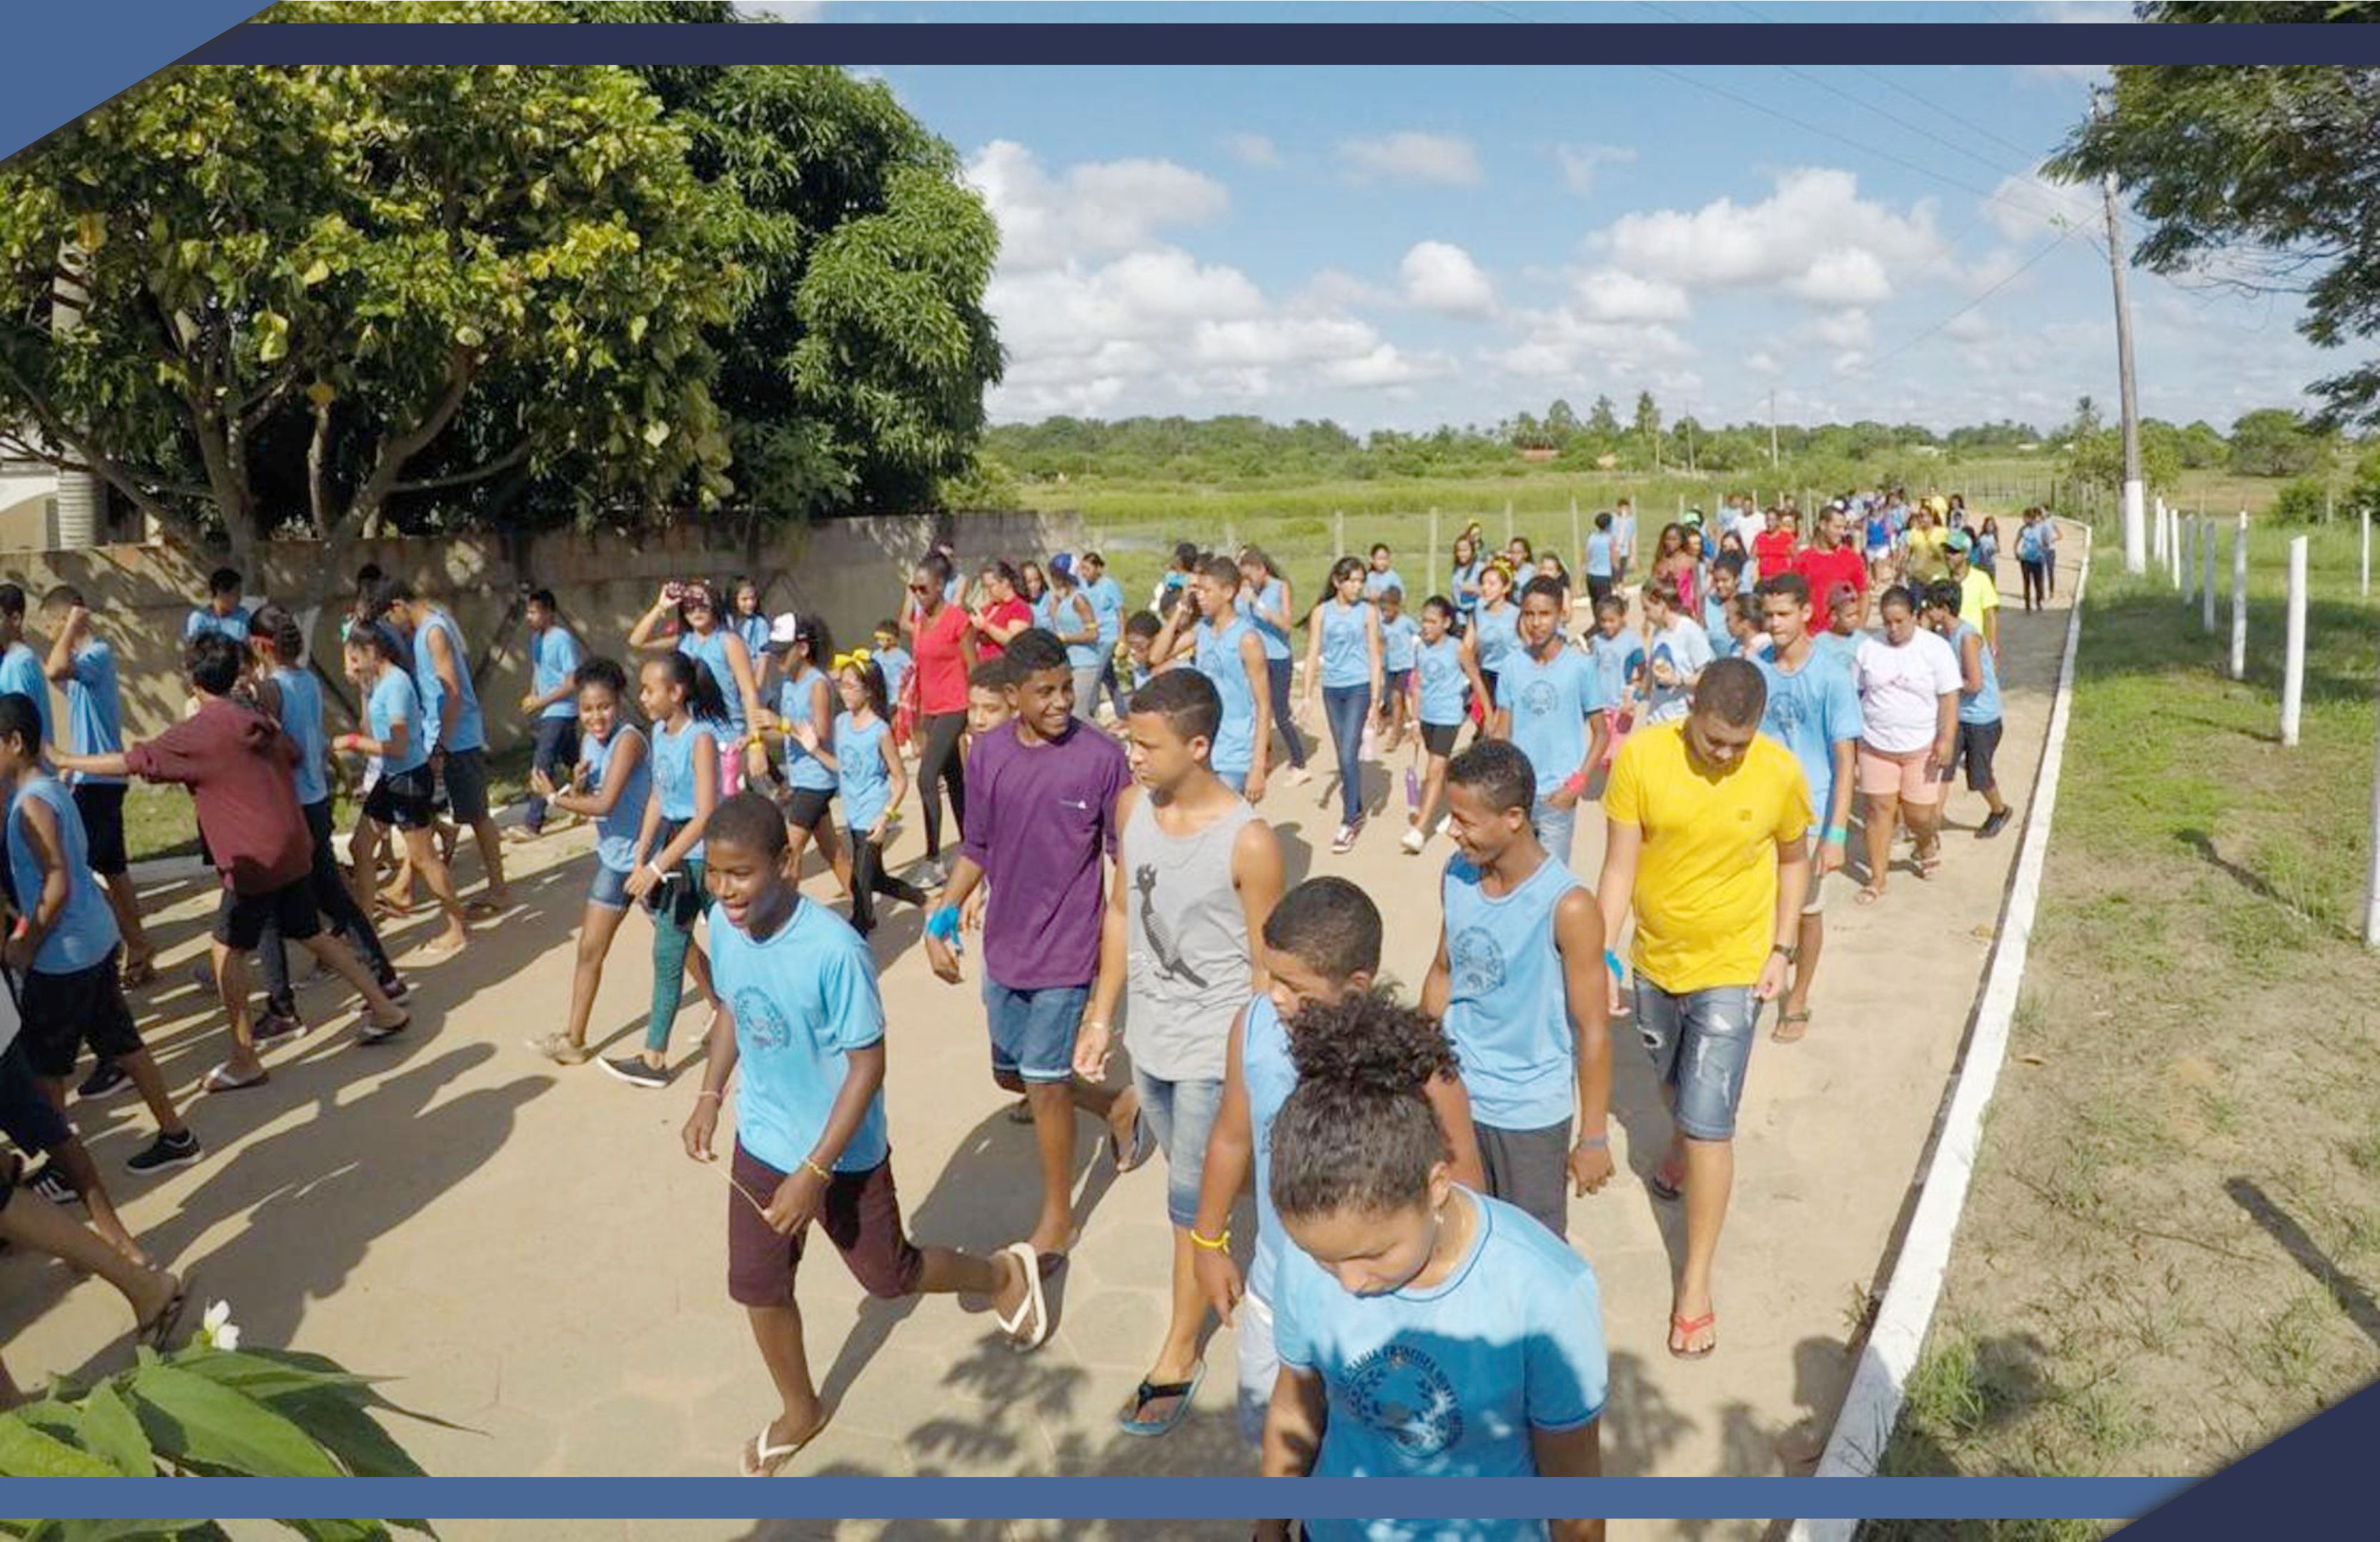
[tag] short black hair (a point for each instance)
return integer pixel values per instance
(392, 591)
(1898, 594)
(601, 671)
(1729, 562)
(1380, 549)
(1222, 569)
(992, 675)
(1791, 586)
(1543, 584)
(1944, 595)
(1143, 624)
(1392, 591)
(749, 820)
(1603, 520)
(212, 662)
(1330, 923)
(62, 597)
(1188, 701)
(1497, 770)
(12, 600)
(545, 597)
(1034, 651)
(224, 581)
(1734, 690)
(21, 720)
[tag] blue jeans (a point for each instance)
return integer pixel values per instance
(1277, 671)
(1701, 1045)
(1557, 829)
(557, 752)
(1180, 1115)
(1346, 707)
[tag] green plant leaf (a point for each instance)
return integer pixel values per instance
(110, 1430)
(338, 1531)
(192, 1418)
(261, 1376)
(350, 1433)
(26, 1451)
(118, 1530)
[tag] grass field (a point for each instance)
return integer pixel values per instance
(2170, 1251)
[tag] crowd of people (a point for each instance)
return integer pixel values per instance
(1090, 778)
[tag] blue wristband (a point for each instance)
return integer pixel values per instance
(1838, 832)
(1611, 962)
(943, 924)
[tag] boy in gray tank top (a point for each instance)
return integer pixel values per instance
(1199, 874)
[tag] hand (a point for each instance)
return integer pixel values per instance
(756, 762)
(641, 881)
(1564, 797)
(806, 735)
(1945, 751)
(1590, 1168)
(78, 618)
(700, 1125)
(1093, 1043)
(1772, 979)
(19, 951)
(795, 1202)
(1663, 674)
(528, 704)
(1255, 787)
(541, 783)
(1830, 856)
(944, 962)
(971, 913)
(1218, 1279)
(669, 594)
(876, 831)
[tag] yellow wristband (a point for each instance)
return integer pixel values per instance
(1213, 1245)
(820, 1171)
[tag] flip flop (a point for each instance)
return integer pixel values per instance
(370, 1032)
(1869, 893)
(141, 972)
(220, 1080)
(1790, 1027)
(1662, 1188)
(1142, 1146)
(1688, 1326)
(1181, 1392)
(761, 1460)
(1030, 1328)
(1021, 1112)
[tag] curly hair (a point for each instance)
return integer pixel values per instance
(1359, 1133)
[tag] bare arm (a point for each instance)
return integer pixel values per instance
(1093, 1039)
(57, 883)
(1257, 874)
(1578, 934)
(449, 668)
(646, 636)
(896, 771)
(59, 665)
(606, 797)
(1294, 1425)
(1252, 659)
(1616, 888)
(1570, 1453)
(1089, 631)
(1438, 986)
(1971, 662)
(1453, 1105)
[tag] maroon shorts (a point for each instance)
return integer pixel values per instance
(860, 1215)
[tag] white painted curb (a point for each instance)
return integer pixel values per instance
(1873, 1404)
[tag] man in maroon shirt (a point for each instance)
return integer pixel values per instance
(1830, 560)
(237, 763)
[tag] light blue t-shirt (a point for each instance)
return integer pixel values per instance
(804, 1000)
(394, 700)
(1378, 584)
(1616, 662)
(470, 733)
(1272, 599)
(1836, 649)
(1270, 1076)
(1686, 648)
(1498, 631)
(1398, 640)
(1106, 603)
(754, 630)
(894, 663)
(1466, 580)
(94, 706)
(301, 719)
(1508, 1008)
(1599, 554)
(861, 776)
(21, 672)
(85, 931)
(553, 660)
(1811, 711)
(673, 772)
(1346, 647)
(1448, 1382)
(1217, 656)
(1982, 706)
(712, 650)
(795, 699)
(204, 619)
(1442, 682)
(616, 832)
(1550, 700)
(1623, 535)
(1715, 632)
(1066, 618)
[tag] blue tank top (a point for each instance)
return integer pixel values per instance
(1442, 683)
(1499, 633)
(394, 700)
(861, 778)
(794, 702)
(1218, 658)
(301, 719)
(1274, 598)
(85, 932)
(1346, 649)
(1271, 1077)
(1984, 706)
(1508, 1013)
(711, 652)
(754, 630)
(673, 773)
(470, 731)
(1065, 617)
(616, 832)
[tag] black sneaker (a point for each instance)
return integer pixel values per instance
(1994, 823)
(53, 1186)
(105, 1077)
(637, 1070)
(167, 1151)
(274, 1027)
(392, 988)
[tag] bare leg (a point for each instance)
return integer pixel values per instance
(595, 933)
(492, 856)
(1808, 943)
(1710, 1173)
(778, 1332)
(1185, 1320)
(1876, 831)
(340, 960)
(1053, 1130)
(143, 1067)
(1925, 828)
(231, 984)
(30, 1220)
(73, 1160)
(442, 884)
(125, 901)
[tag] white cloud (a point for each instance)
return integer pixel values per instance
(1384, 366)
(1253, 150)
(1610, 295)
(1796, 239)
(1442, 277)
(1841, 329)
(1098, 208)
(1581, 162)
(1762, 362)
(1846, 275)
(2028, 208)
(1412, 157)
(1968, 326)
(1565, 344)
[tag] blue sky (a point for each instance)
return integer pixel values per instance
(1399, 248)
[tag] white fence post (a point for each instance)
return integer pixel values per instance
(2240, 598)
(2156, 534)
(2293, 666)
(1433, 554)
(2190, 563)
(1578, 552)
(1508, 522)
(2364, 521)
(2372, 872)
(2173, 546)
(2206, 579)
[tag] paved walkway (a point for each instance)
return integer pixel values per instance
(527, 1250)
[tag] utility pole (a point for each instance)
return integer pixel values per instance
(2135, 516)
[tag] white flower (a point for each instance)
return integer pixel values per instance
(217, 1329)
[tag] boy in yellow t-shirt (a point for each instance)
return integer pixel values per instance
(1709, 826)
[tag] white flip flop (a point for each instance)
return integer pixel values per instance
(1035, 1308)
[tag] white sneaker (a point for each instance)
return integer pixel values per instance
(1414, 839)
(1299, 776)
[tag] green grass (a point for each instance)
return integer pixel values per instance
(161, 821)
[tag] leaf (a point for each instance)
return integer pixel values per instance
(350, 1433)
(338, 1531)
(29, 1452)
(190, 1418)
(657, 435)
(90, 231)
(273, 337)
(110, 1430)
(262, 1376)
(318, 272)
(469, 336)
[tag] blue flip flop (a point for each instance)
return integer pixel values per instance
(1182, 1392)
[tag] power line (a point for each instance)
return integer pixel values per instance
(1911, 342)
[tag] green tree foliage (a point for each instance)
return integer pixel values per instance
(2264, 179)
(2274, 442)
(2097, 459)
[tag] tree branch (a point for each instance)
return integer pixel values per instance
(398, 448)
(505, 462)
(260, 405)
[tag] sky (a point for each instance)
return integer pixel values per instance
(1400, 247)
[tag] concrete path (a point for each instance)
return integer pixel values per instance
(529, 1253)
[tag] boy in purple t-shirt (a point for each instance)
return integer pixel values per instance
(1042, 797)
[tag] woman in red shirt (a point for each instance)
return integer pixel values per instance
(1003, 614)
(942, 644)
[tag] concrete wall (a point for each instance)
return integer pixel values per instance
(848, 572)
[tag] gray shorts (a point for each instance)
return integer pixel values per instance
(466, 784)
(1530, 1171)
(1701, 1045)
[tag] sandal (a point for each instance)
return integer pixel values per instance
(370, 1032)
(1929, 863)
(1665, 1188)
(220, 1079)
(1686, 1328)
(1030, 1328)
(1790, 1027)
(557, 1048)
(759, 1458)
(1141, 1147)
(1869, 893)
(1021, 1112)
(1135, 1420)
(141, 971)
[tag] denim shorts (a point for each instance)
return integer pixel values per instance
(1557, 829)
(1236, 781)
(1032, 1031)
(1701, 1044)
(608, 890)
(1180, 1115)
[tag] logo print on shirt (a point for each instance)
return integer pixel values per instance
(1475, 962)
(757, 1017)
(1400, 1391)
(1073, 804)
(1538, 698)
(1159, 935)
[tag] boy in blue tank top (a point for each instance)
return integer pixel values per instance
(1518, 982)
(84, 662)
(1979, 702)
(1322, 947)
(1227, 649)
